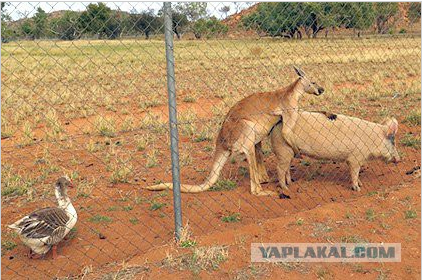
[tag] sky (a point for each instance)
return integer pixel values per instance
(19, 10)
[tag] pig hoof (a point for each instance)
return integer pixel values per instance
(264, 179)
(356, 188)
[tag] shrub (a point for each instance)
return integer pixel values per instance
(209, 27)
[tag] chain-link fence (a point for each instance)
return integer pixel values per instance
(84, 93)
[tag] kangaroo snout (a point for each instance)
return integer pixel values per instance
(320, 90)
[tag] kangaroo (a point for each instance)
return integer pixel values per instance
(246, 124)
(335, 137)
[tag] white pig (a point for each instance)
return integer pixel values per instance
(335, 137)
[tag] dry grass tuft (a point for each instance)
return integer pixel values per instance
(200, 258)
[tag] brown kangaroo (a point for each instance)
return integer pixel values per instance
(247, 123)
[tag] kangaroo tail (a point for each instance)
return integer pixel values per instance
(220, 159)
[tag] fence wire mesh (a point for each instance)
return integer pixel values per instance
(84, 94)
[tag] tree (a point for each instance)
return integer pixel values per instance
(210, 27)
(66, 26)
(6, 31)
(94, 19)
(225, 10)
(26, 29)
(414, 12)
(384, 14)
(40, 23)
(287, 18)
(359, 16)
(180, 21)
(113, 27)
(192, 10)
(145, 22)
(275, 19)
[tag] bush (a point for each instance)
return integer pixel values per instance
(209, 27)
(414, 12)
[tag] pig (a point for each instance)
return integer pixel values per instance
(335, 137)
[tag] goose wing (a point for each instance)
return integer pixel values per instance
(47, 223)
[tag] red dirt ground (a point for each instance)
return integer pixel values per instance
(320, 194)
(345, 219)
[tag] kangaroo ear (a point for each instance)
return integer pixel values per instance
(392, 127)
(299, 72)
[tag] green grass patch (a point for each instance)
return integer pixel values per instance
(224, 185)
(100, 219)
(188, 243)
(156, 206)
(409, 140)
(299, 221)
(134, 221)
(7, 245)
(410, 214)
(370, 215)
(233, 218)
(128, 208)
(414, 118)
(372, 193)
(353, 239)
(14, 185)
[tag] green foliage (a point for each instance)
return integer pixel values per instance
(156, 206)
(288, 18)
(384, 12)
(276, 19)
(26, 29)
(192, 10)
(188, 243)
(410, 214)
(357, 15)
(6, 31)
(40, 24)
(7, 245)
(66, 26)
(233, 218)
(98, 19)
(180, 21)
(224, 185)
(413, 118)
(100, 219)
(209, 27)
(409, 140)
(414, 12)
(146, 23)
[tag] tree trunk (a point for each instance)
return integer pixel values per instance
(177, 33)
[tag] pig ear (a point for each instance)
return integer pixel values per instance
(392, 127)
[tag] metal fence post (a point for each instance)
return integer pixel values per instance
(174, 135)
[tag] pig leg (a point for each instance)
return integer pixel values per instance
(289, 121)
(262, 171)
(283, 167)
(284, 154)
(354, 166)
(288, 176)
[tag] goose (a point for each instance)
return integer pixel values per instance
(43, 229)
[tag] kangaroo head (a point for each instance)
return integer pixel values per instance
(308, 85)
